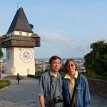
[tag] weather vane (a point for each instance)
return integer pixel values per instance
(17, 5)
(19, 2)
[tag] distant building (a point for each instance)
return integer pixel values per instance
(41, 64)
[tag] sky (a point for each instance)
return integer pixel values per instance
(67, 28)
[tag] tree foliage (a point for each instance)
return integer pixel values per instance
(96, 60)
(1, 53)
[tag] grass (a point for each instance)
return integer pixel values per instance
(4, 83)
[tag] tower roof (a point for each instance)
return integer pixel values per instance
(20, 22)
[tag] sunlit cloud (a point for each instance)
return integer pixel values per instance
(52, 37)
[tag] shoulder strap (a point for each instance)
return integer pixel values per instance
(72, 99)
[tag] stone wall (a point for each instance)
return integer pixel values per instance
(98, 87)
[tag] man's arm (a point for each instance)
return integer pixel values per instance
(41, 99)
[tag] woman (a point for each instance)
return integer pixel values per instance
(75, 87)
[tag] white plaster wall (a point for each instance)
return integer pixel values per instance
(16, 65)
(23, 33)
(18, 33)
(23, 68)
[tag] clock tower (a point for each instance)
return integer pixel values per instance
(19, 42)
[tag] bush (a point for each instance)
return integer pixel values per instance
(37, 74)
(93, 74)
(33, 76)
(4, 83)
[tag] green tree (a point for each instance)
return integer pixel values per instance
(96, 60)
(1, 53)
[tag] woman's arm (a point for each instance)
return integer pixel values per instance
(86, 95)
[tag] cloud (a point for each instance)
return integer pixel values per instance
(52, 37)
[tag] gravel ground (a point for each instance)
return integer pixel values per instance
(25, 95)
(22, 95)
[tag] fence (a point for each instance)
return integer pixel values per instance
(98, 87)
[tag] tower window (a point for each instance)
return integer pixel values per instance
(20, 33)
(27, 34)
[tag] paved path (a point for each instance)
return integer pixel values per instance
(98, 101)
(25, 95)
(22, 95)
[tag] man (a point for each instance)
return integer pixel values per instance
(50, 84)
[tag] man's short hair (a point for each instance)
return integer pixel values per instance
(54, 58)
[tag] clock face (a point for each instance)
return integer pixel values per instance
(26, 55)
